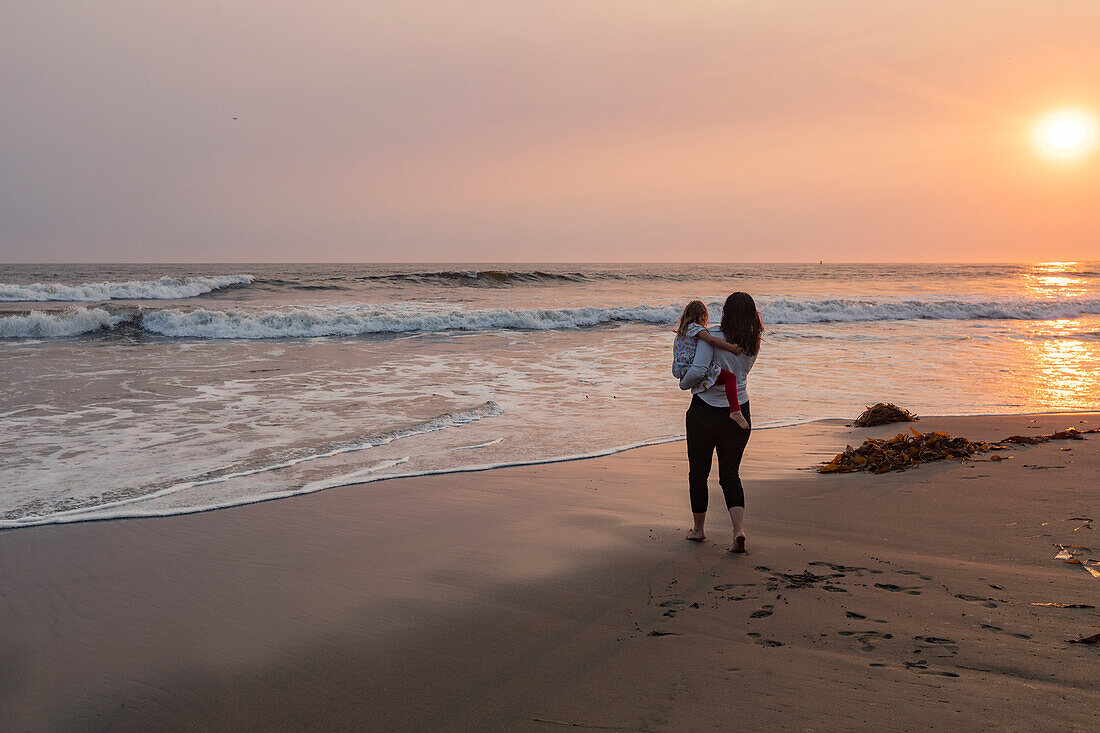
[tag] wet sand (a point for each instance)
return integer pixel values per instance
(564, 596)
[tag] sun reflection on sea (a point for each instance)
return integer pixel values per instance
(1060, 358)
(1066, 363)
(1056, 280)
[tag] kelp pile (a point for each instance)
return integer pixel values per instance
(902, 452)
(883, 413)
(905, 451)
(1067, 434)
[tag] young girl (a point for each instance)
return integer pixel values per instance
(693, 326)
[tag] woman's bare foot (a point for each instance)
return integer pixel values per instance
(738, 544)
(738, 418)
(695, 535)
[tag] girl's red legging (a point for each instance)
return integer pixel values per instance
(729, 381)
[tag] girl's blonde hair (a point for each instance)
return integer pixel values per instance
(694, 312)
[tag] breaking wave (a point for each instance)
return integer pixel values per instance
(506, 278)
(384, 319)
(396, 318)
(482, 278)
(40, 324)
(166, 288)
(778, 310)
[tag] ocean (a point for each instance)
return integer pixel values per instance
(141, 390)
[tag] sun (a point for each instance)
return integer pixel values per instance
(1066, 135)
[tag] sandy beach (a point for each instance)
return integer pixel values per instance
(345, 357)
(564, 596)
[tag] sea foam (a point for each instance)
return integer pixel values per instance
(94, 509)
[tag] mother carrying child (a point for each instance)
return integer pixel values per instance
(713, 418)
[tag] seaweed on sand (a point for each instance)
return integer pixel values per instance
(905, 451)
(902, 451)
(883, 413)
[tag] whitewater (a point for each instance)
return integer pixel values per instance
(165, 288)
(355, 320)
(146, 390)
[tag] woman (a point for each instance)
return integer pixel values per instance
(709, 426)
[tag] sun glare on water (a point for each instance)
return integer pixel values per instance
(1066, 135)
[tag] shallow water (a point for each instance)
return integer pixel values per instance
(131, 390)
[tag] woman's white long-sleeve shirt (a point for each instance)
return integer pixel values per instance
(739, 364)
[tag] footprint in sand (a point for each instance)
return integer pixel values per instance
(763, 612)
(998, 629)
(909, 590)
(934, 640)
(921, 666)
(760, 640)
(805, 579)
(913, 572)
(947, 645)
(987, 602)
(769, 642)
(843, 569)
(865, 638)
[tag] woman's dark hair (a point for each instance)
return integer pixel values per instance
(741, 323)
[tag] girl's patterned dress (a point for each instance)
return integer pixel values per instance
(683, 353)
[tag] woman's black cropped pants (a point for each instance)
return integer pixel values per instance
(710, 429)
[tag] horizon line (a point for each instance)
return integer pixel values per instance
(542, 262)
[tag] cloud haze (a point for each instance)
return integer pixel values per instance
(539, 131)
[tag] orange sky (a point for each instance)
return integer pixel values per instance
(706, 130)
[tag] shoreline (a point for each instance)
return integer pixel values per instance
(528, 598)
(74, 516)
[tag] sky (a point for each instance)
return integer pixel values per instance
(518, 131)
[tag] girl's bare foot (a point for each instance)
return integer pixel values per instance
(738, 418)
(695, 535)
(738, 544)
